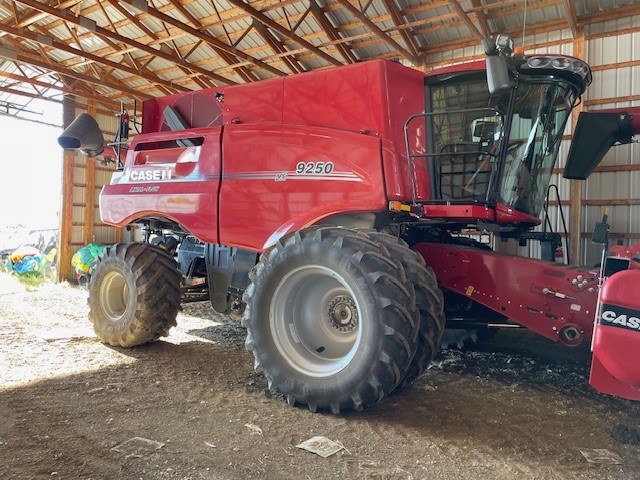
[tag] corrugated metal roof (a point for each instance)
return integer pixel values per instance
(431, 24)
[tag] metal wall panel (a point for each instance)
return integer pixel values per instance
(615, 84)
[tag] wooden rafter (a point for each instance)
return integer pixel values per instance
(378, 31)
(101, 32)
(35, 17)
(277, 47)
(572, 17)
(467, 21)
(32, 85)
(30, 59)
(246, 74)
(482, 18)
(332, 33)
(147, 31)
(50, 42)
(22, 93)
(63, 90)
(200, 50)
(276, 27)
(209, 39)
(406, 35)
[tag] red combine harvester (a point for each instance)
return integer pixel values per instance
(325, 210)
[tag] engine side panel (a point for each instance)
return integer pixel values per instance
(278, 179)
(165, 177)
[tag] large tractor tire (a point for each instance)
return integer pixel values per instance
(429, 302)
(134, 295)
(331, 320)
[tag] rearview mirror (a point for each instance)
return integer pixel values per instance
(498, 49)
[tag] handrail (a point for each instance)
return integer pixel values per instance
(411, 156)
(554, 186)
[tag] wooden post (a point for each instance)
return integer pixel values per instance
(576, 186)
(90, 172)
(66, 202)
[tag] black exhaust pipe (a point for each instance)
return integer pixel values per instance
(83, 134)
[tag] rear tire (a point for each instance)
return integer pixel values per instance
(429, 302)
(134, 295)
(330, 319)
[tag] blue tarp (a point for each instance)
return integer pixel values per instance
(26, 259)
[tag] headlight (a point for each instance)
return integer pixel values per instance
(552, 64)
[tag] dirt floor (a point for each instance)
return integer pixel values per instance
(517, 407)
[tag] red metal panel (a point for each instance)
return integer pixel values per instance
(616, 340)
(554, 300)
(349, 98)
(395, 176)
(373, 98)
(506, 214)
(499, 214)
(459, 212)
(405, 97)
(179, 183)
(265, 193)
(257, 103)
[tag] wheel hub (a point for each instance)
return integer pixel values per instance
(314, 320)
(343, 315)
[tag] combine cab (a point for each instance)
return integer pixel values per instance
(325, 210)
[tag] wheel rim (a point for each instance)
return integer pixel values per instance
(315, 321)
(114, 294)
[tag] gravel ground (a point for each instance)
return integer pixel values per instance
(516, 407)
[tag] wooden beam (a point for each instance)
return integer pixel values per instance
(611, 14)
(35, 17)
(90, 25)
(22, 93)
(482, 18)
(276, 27)
(576, 186)
(467, 21)
(244, 72)
(572, 17)
(90, 194)
(398, 21)
(20, 57)
(144, 29)
(66, 200)
(344, 48)
(605, 101)
(209, 39)
(51, 42)
(277, 46)
(378, 31)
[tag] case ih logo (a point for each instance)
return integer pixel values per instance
(620, 317)
(149, 175)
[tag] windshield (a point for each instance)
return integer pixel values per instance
(468, 133)
(540, 115)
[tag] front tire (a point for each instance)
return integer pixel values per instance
(429, 302)
(331, 320)
(134, 295)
